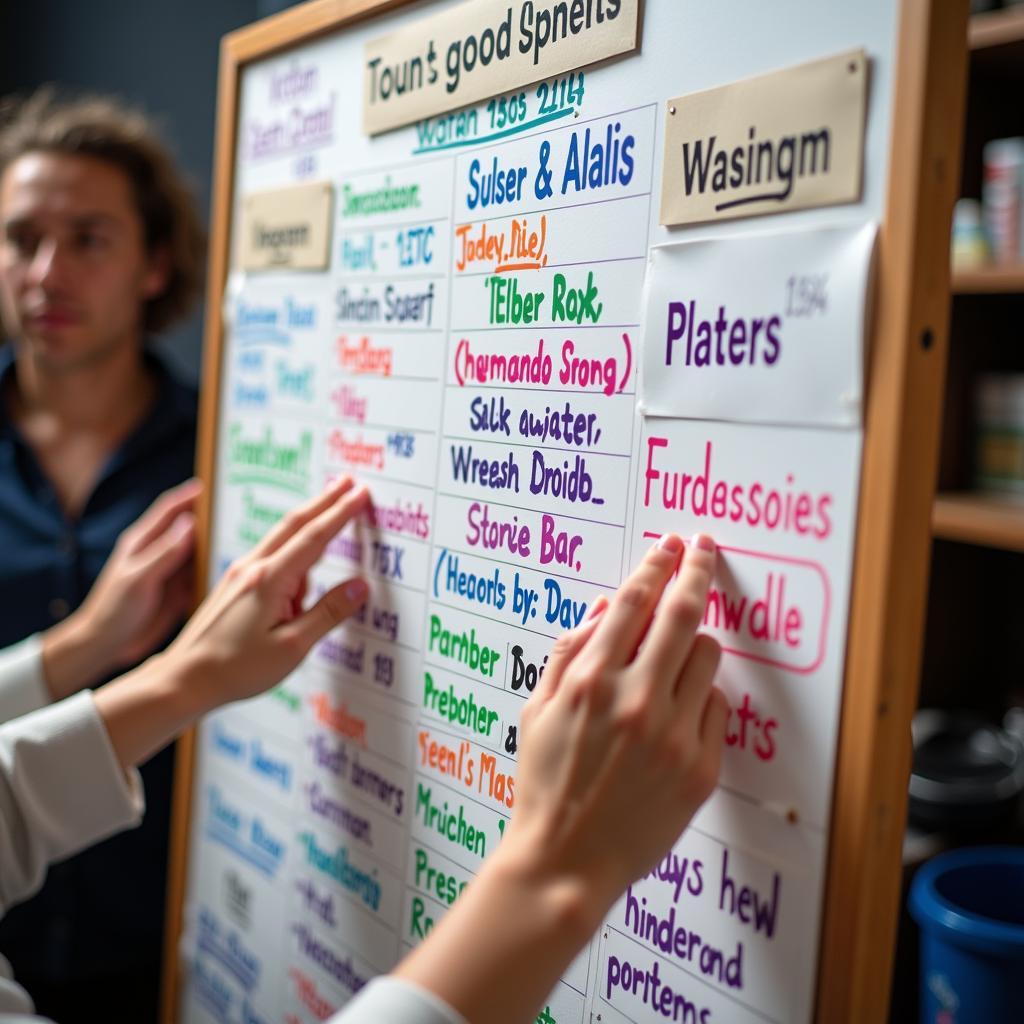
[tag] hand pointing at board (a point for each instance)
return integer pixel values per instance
(250, 632)
(621, 744)
(247, 635)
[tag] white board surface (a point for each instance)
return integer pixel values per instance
(325, 813)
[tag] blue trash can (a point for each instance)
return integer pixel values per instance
(970, 907)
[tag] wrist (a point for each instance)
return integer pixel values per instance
(96, 637)
(147, 708)
(568, 903)
(74, 655)
(184, 682)
(519, 911)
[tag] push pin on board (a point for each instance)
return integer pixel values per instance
(788, 814)
(672, 109)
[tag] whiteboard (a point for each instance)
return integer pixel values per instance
(325, 835)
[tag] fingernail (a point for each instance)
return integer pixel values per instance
(597, 609)
(357, 591)
(670, 542)
(704, 542)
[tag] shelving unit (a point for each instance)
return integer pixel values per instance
(994, 32)
(996, 42)
(993, 278)
(982, 519)
(973, 656)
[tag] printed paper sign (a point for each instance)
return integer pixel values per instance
(781, 503)
(286, 229)
(485, 48)
(763, 328)
(782, 141)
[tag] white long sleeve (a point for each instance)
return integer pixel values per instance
(16, 1005)
(388, 1000)
(62, 788)
(22, 685)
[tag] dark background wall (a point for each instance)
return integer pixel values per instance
(159, 55)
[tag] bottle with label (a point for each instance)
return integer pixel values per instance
(999, 450)
(1002, 176)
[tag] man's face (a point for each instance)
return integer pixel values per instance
(74, 272)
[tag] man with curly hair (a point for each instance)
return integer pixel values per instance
(100, 249)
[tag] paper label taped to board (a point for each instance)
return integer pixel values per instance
(783, 141)
(286, 228)
(482, 49)
(758, 328)
(781, 503)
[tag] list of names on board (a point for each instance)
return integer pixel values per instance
(533, 395)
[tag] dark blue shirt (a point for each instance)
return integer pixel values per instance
(100, 913)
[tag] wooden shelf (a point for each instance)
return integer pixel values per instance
(995, 29)
(991, 521)
(994, 278)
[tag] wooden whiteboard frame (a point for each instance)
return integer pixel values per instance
(906, 379)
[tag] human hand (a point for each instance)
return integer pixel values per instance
(621, 742)
(248, 634)
(143, 591)
(251, 630)
(619, 745)
(146, 586)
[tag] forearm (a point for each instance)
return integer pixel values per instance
(74, 656)
(148, 707)
(501, 949)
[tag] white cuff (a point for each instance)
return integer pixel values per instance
(62, 788)
(22, 685)
(388, 1000)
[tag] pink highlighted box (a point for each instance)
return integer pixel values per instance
(769, 608)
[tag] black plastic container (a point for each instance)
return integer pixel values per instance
(968, 774)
